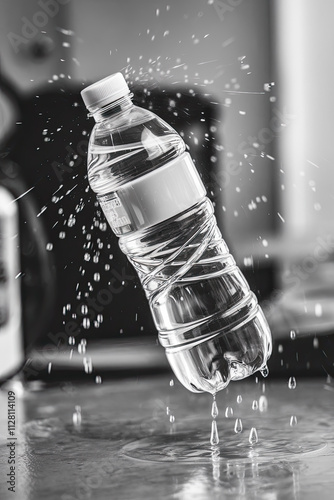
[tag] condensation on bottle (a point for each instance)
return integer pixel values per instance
(208, 320)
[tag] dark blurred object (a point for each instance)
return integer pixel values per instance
(11, 335)
(37, 277)
(31, 272)
(10, 113)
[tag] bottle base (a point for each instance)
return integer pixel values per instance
(210, 365)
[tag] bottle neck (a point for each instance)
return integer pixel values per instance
(112, 108)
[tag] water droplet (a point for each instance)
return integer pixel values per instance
(86, 323)
(88, 365)
(49, 247)
(215, 459)
(172, 419)
(62, 235)
(263, 403)
(214, 409)
(84, 309)
(97, 277)
(293, 421)
(71, 221)
(248, 261)
(171, 382)
(292, 334)
(228, 412)
(292, 384)
(238, 426)
(214, 439)
(76, 418)
(99, 318)
(87, 257)
(81, 348)
(280, 348)
(71, 340)
(98, 380)
(318, 310)
(49, 367)
(253, 437)
(255, 405)
(268, 86)
(315, 343)
(239, 399)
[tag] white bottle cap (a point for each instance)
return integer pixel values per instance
(105, 91)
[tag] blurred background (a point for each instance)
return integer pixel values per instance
(248, 84)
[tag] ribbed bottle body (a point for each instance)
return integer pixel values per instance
(208, 320)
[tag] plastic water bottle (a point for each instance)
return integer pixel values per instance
(209, 322)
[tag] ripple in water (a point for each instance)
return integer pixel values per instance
(243, 448)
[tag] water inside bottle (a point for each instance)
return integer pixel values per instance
(208, 320)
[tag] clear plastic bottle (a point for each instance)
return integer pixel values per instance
(209, 322)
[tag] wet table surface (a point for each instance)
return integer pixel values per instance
(145, 438)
